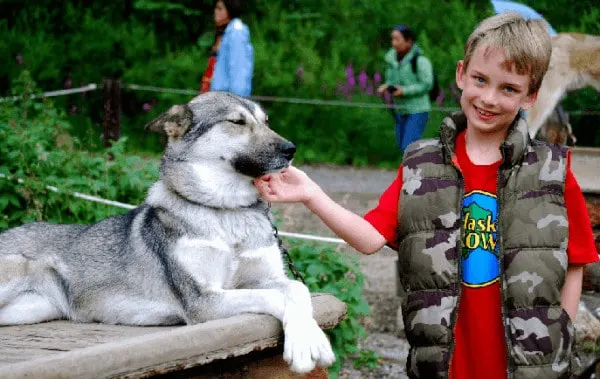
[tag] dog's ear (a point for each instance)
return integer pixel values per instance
(174, 122)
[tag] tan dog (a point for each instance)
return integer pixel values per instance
(575, 64)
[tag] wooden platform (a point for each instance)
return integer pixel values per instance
(63, 349)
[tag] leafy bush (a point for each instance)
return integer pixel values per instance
(38, 151)
(302, 50)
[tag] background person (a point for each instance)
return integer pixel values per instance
(231, 63)
(409, 87)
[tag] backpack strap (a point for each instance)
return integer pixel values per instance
(413, 62)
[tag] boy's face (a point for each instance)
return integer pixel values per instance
(492, 91)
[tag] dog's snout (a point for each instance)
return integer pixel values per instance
(288, 149)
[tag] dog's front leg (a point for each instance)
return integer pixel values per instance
(305, 344)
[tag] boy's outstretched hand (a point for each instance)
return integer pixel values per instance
(290, 185)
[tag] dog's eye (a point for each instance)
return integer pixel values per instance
(240, 121)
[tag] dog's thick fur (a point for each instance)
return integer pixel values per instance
(574, 64)
(201, 247)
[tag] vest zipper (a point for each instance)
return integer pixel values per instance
(459, 247)
(505, 321)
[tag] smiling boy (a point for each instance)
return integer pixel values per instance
(490, 226)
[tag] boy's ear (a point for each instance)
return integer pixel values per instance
(460, 74)
(529, 100)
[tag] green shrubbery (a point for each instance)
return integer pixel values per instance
(302, 49)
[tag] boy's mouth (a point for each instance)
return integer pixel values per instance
(486, 115)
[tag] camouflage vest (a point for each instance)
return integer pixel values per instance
(532, 237)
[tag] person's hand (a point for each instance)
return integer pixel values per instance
(398, 92)
(382, 88)
(290, 185)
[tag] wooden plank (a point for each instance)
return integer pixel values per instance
(69, 350)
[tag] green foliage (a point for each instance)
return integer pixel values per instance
(302, 50)
(326, 270)
(37, 151)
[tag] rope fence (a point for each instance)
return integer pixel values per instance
(96, 199)
(273, 99)
(61, 92)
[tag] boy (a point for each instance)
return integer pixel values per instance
(491, 227)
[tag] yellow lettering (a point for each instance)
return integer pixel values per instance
(471, 224)
(491, 242)
(472, 240)
(491, 226)
(481, 225)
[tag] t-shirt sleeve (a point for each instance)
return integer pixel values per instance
(581, 248)
(384, 217)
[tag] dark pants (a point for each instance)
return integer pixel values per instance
(409, 128)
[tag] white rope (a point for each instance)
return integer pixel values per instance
(61, 92)
(129, 206)
(274, 99)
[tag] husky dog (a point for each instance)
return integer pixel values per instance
(201, 246)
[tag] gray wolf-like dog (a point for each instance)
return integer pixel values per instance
(200, 247)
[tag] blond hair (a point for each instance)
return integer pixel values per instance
(526, 44)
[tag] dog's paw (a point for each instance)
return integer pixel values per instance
(306, 346)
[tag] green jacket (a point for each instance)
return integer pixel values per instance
(416, 86)
(532, 239)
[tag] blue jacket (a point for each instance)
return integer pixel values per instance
(235, 61)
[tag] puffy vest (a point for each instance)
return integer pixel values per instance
(532, 237)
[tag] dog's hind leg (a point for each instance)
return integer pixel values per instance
(30, 291)
(29, 308)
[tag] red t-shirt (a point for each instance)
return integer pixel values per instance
(480, 350)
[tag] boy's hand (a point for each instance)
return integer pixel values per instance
(290, 185)
(382, 88)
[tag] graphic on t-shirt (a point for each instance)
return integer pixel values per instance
(479, 257)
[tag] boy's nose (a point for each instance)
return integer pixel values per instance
(489, 96)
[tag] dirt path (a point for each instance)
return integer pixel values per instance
(359, 190)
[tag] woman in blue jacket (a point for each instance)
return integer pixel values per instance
(231, 63)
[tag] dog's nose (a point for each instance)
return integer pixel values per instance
(287, 149)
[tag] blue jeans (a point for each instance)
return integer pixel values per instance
(409, 128)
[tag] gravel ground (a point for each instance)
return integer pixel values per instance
(359, 190)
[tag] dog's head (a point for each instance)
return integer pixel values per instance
(223, 129)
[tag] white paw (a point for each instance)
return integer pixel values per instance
(306, 346)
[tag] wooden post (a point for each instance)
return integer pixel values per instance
(111, 121)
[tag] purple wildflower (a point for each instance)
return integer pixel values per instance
(377, 78)
(362, 80)
(349, 71)
(19, 59)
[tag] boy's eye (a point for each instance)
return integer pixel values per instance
(479, 79)
(509, 89)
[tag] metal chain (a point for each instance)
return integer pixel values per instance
(284, 252)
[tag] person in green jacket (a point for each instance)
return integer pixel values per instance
(409, 83)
